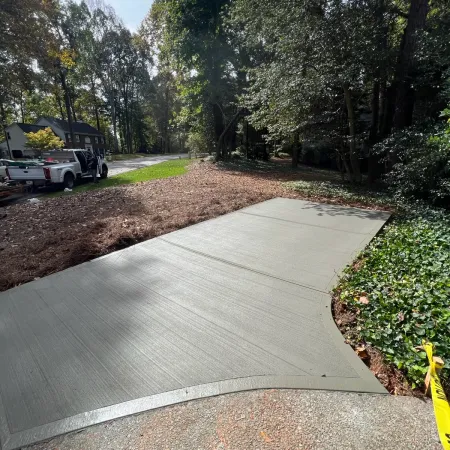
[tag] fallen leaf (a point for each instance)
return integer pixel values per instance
(364, 300)
(265, 437)
(361, 351)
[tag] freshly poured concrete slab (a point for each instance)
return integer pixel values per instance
(301, 242)
(236, 303)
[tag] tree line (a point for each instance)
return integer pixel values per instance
(344, 74)
(333, 78)
(77, 61)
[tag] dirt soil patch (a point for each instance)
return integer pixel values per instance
(43, 238)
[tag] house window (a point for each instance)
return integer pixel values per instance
(68, 138)
(77, 138)
(96, 139)
(87, 140)
(9, 136)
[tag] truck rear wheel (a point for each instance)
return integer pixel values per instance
(104, 173)
(69, 180)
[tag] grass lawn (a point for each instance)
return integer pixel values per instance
(162, 170)
(398, 290)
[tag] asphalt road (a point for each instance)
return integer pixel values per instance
(118, 167)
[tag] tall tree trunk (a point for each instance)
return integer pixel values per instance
(166, 146)
(94, 99)
(22, 108)
(246, 136)
(354, 157)
(404, 103)
(378, 89)
(97, 117)
(373, 133)
(121, 129)
(126, 121)
(296, 149)
(379, 72)
(3, 120)
(112, 104)
(221, 141)
(60, 106)
(382, 107)
(73, 110)
(67, 102)
(72, 104)
(218, 129)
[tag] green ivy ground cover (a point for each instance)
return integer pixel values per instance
(405, 275)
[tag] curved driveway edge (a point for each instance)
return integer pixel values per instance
(235, 303)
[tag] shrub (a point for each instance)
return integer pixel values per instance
(423, 167)
(197, 143)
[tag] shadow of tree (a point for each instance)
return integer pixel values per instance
(337, 210)
(276, 170)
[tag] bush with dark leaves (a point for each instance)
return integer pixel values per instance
(422, 170)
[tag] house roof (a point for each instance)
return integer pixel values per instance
(29, 128)
(78, 127)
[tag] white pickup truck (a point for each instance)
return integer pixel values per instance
(63, 167)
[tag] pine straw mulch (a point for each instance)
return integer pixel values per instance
(43, 238)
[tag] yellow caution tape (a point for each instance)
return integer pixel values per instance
(440, 403)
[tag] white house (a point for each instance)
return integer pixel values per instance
(17, 140)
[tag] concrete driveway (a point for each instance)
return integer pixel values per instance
(118, 167)
(236, 303)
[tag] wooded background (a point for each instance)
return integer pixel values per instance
(328, 81)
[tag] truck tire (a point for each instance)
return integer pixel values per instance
(104, 173)
(69, 180)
